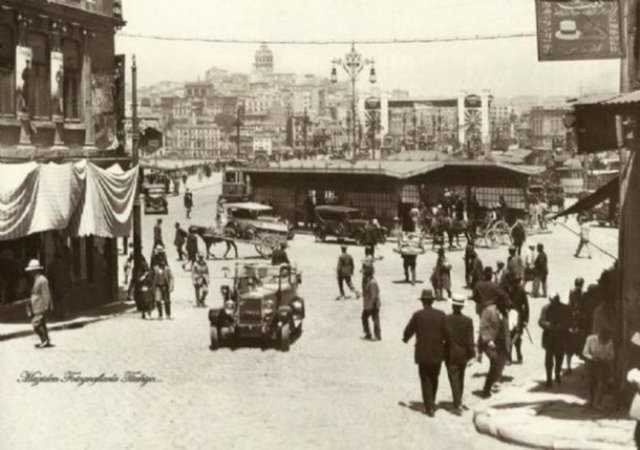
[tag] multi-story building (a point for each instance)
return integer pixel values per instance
(547, 127)
(195, 139)
(61, 100)
(263, 142)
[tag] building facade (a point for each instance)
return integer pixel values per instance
(61, 100)
(547, 127)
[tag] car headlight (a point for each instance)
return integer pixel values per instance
(268, 306)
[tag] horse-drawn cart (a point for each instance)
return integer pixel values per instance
(264, 243)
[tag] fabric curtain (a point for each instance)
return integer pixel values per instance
(81, 198)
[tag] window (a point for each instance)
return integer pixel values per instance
(38, 90)
(7, 67)
(72, 77)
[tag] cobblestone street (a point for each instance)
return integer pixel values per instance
(332, 390)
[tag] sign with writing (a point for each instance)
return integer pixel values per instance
(578, 29)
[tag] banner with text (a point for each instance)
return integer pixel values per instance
(578, 29)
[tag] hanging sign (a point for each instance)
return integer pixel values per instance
(578, 29)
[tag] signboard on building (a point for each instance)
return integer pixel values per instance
(578, 29)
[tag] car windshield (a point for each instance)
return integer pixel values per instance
(264, 212)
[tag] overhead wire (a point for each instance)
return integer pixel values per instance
(386, 41)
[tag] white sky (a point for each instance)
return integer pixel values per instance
(506, 67)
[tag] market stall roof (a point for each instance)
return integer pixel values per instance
(394, 169)
(609, 190)
(609, 101)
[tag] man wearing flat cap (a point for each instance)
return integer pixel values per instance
(429, 327)
(460, 348)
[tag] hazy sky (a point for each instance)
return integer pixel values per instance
(507, 67)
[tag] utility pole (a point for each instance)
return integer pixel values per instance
(135, 161)
(239, 113)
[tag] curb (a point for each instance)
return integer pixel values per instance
(70, 325)
(56, 327)
(486, 423)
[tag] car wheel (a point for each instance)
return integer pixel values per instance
(285, 337)
(215, 338)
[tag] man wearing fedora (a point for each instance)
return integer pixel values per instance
(460, 348)
(40, 304)
(162, 284)
(493, 343)
(429, 327)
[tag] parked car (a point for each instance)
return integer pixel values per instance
(344, 223)
(249, 220)
(155, 199)
(262, 303)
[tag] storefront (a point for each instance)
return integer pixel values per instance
(67, 216)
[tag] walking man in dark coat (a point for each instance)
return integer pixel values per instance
(460, 349)
(492, 342)
(429, 327)
(371, 306)
(279, 255)
(541, 270)
(345, 270)
(192, 249)
(188, 202)
(179, 240)
(157, 234)
(554, 321)
(520, 304)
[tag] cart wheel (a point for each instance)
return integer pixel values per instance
(285, 337)
(215, 338)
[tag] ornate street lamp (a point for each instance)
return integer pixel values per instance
(353, 64)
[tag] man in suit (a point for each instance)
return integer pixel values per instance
(541, 268)
(554, 321)
(460, 349)
(157, 234)
(429, 327)
(345, 270)
(371, 306)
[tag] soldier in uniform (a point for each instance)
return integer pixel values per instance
(460, 349)
(429, 327)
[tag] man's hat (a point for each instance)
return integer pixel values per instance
(458, 300)
(34, 264)
(531, 246)
(427, 294)
(441, 251)
(159, 249)
(512, 249)
(343, 247)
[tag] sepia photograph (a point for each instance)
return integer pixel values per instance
(320, 224)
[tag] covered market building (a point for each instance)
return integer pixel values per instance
(384, 189)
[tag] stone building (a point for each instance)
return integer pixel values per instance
(61, 100)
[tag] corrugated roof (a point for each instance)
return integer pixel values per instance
(394, 169)
(608, 99)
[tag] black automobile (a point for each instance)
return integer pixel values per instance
(155, 199)
(343, 222)
(262, 304)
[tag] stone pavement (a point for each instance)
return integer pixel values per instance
(333, 390)
(557, 419)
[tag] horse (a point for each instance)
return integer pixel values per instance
(211, 236)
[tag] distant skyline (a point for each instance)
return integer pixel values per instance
(507, 67)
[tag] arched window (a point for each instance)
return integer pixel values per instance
(7, 68)
(72, 77)
(39, 90)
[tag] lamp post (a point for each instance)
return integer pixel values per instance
(353, 64)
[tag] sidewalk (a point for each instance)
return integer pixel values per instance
(532, 417)
(107, 311)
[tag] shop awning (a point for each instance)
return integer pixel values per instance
(608, 191)
(80, 197)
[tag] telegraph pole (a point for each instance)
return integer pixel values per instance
(135, 160)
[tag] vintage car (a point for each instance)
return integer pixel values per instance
(155, 199)
(262, 303)
(249, 220)
(344, 223)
